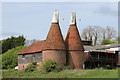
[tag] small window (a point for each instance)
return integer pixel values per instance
(23, 56)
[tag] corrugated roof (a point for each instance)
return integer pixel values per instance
(97, 47)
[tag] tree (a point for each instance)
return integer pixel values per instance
(29, 42)
(107, 41)
(103, 33)
(117, 40)
(12, 42)
(96, 34)
(91, 33)
(110, 32)
(10, 58)
(87, 33)
(0, 47)
(84, 34)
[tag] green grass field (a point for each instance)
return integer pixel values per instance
(95, 73)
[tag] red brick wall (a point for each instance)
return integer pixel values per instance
(76, 59)
(85, 56)
(58, 55)
(22, 66)
(38, 65)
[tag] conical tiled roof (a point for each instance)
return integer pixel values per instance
(54, 38)
(73, 40)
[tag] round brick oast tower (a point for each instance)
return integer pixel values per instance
(55, 45)
(74, 45)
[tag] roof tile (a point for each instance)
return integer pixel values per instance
(73, 40)
(35, 47)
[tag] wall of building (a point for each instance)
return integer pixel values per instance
(29, 58)
(58, 55)
(22, 66)
(89, 43)
(99, 59)
(118, 59)
(76, 59)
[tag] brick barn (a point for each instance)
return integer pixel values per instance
(70, 51)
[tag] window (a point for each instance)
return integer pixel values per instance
(23, 56)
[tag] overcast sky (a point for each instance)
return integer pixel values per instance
(33, 19)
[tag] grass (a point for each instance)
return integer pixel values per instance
(94, 73)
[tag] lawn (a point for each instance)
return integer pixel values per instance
(94, 73)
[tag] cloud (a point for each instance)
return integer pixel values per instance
(106, 10)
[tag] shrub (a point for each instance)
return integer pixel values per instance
(30, 67)
(67, 67)
(108, 67)
(107, 41)
(10, 58)
(50, 65)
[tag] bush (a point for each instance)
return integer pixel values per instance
(50, 65)
(67, 67)
(10, 58)
(106, 42)
(30, 67)
(107, 67)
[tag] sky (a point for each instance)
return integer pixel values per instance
(33, 19)
(60, 0)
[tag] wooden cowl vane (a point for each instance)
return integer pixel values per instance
(55, 45)
(74, 45)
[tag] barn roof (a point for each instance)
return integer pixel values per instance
(35, 47)
(98, 47)
(40, 46)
